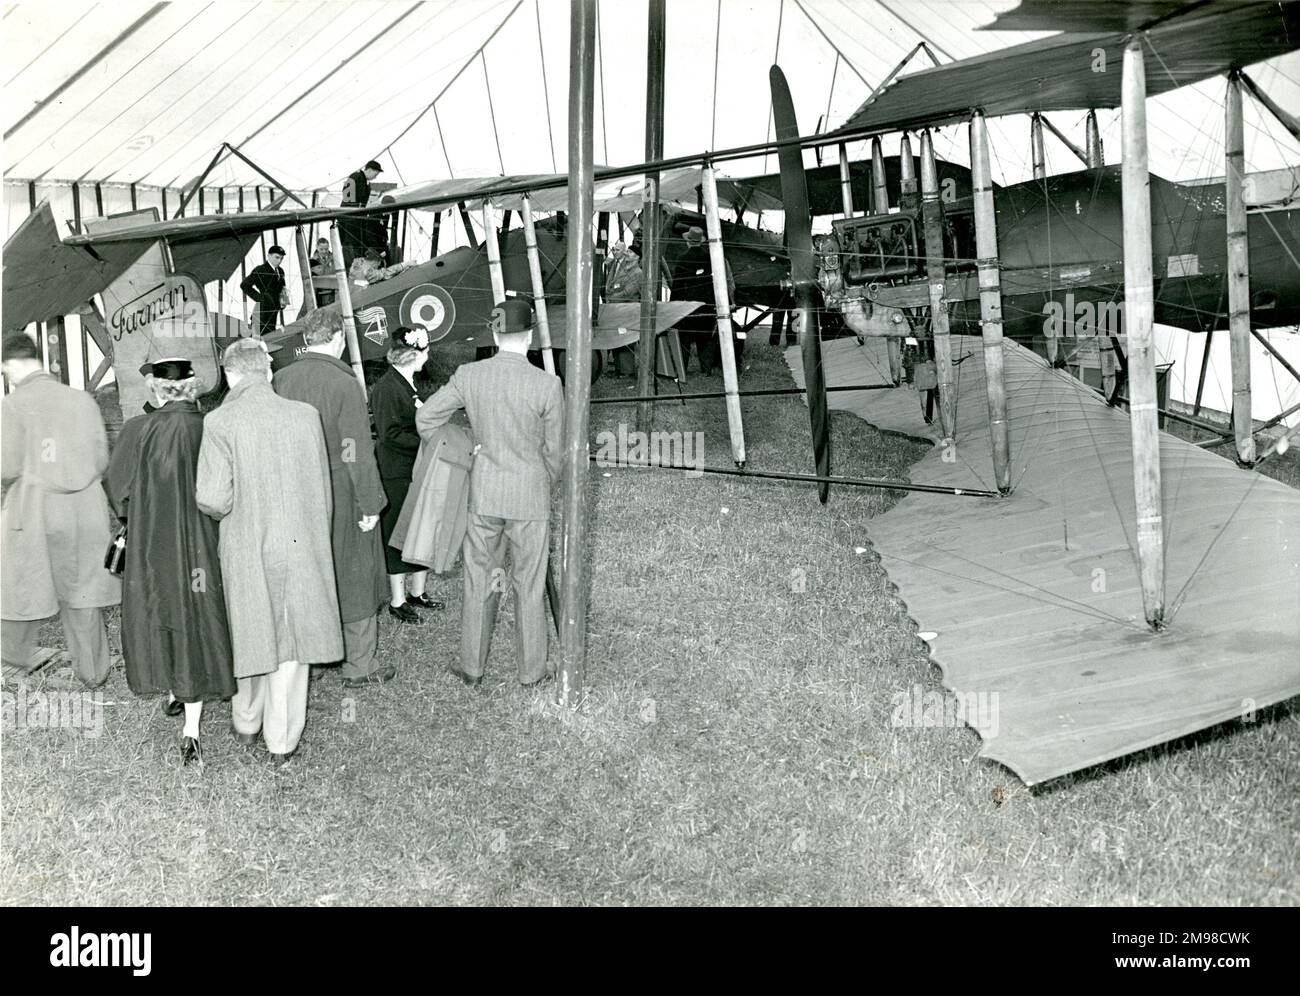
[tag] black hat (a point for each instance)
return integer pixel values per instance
(512, 315)
(175, 368)
(406, 337)
(276, 249)
(373, 165)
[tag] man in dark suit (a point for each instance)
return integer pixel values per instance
(266, 286)
(359, 234)
(517, 413)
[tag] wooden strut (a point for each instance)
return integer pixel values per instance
(846, 182)
(986, 243)
(579, 281)
(304, 271)
(493, 246)
(932, 216)
(541, 315)
(1139, 317)
(345, 308)
(722, 308)
(1238, 274)
(1092, 149)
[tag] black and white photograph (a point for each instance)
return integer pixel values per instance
(670, 453)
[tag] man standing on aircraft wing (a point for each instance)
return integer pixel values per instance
(516, 411)
(265, 284)
(358, 234)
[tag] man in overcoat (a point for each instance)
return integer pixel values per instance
(55, 518)
(263, 471)
(517, 413)
(321, 379)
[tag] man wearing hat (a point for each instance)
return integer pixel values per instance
(55, 519)
(516, 411)
(175, 637)
(353, 231)
(321, 379)
(265, 284)
(692, 280)
(264, 473)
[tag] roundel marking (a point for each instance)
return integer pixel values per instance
(429, 307)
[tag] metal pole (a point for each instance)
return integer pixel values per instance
(846, 182)
(1139, 315)
(304, 271)
(345, 308)
(651, 245)
(539, 288)
(1238, 276)
(1036, 144)
(879, 182)
(580, 278)
(1092, 149)
(986, 251)
(722, 308)
(932, 214)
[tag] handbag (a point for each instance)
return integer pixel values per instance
(115, 556)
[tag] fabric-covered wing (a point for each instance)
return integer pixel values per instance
(1061, 73)
(43, 277)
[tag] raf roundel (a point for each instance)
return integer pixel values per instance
(429, 307)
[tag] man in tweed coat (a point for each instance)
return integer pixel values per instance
(263, 471)
(517, 413)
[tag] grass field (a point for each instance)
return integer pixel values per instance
(735, 746)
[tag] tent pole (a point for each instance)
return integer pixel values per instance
(345, 307)
(1139, 315)
(539, 288)
(722, 308)
(216, 160)
(990, 282)
(932, 213)
(1238, 275)
(580, 279)
(651, 247)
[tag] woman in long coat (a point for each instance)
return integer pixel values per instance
(394, 402)
(175, 637)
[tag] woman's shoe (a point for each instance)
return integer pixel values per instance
(404, 613)
(173, 707)
(191, 752)
(423, 601)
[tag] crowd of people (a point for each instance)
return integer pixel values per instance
(253, 533)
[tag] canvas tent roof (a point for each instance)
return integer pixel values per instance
(144, 93)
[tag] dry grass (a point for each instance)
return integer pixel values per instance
(735, 747)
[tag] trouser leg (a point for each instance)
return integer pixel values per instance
(528, 555)
(360, 644)
(484, 576)
(286, 707)
(18, 641)
(248, 704)
(87, 643)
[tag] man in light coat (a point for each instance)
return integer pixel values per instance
(517, 413)
(263, 471)
(321, 379)
(55, 517)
